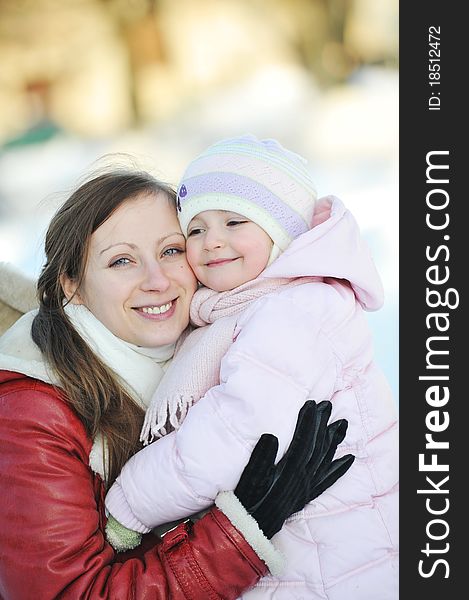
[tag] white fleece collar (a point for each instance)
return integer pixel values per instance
(140, 369)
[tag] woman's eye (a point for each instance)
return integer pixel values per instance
(173, 251)
(120, 262)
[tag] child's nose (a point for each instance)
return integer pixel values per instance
(213, 239)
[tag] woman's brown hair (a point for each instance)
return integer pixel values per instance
(88, 385)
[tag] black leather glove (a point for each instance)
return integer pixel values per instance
(271, 493)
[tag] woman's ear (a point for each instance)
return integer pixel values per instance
(70, 289)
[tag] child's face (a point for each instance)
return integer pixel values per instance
(225, 249)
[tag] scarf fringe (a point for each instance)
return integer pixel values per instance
(196, 365)
(162, 418)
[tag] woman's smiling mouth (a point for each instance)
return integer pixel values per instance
(161, 311)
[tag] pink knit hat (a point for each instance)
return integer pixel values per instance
(258, 179)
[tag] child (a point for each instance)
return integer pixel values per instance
(286, 281)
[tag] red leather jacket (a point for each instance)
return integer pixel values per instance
(52, 520)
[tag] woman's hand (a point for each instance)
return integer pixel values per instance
(271, 493)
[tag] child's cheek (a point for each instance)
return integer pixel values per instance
(192, 255)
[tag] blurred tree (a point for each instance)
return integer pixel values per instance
(95, 67)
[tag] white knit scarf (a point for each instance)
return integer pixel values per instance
(140, 369)
(196, 366)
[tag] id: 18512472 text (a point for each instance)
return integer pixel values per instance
(434, 67)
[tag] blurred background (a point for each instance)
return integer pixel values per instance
(160, 80)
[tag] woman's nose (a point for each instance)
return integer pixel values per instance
(155, 279)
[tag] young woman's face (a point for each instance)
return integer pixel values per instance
(226, 249)
(137, 281)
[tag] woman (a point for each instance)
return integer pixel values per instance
(113, 299)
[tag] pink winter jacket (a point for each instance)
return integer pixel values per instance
(311, 341)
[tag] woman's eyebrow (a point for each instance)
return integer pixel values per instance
(164, 237)
(134, 246)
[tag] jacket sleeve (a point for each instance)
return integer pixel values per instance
(281, 358)
(52, 518)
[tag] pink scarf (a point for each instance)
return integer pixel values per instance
(196, 366)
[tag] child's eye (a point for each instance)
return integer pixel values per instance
(232, 222)
(194, 231)
(173, 251)
(120, 262)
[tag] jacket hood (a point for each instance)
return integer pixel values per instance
(333, 247)
(20, 354)
(7, 376)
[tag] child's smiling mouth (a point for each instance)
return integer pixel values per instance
(220, 261)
